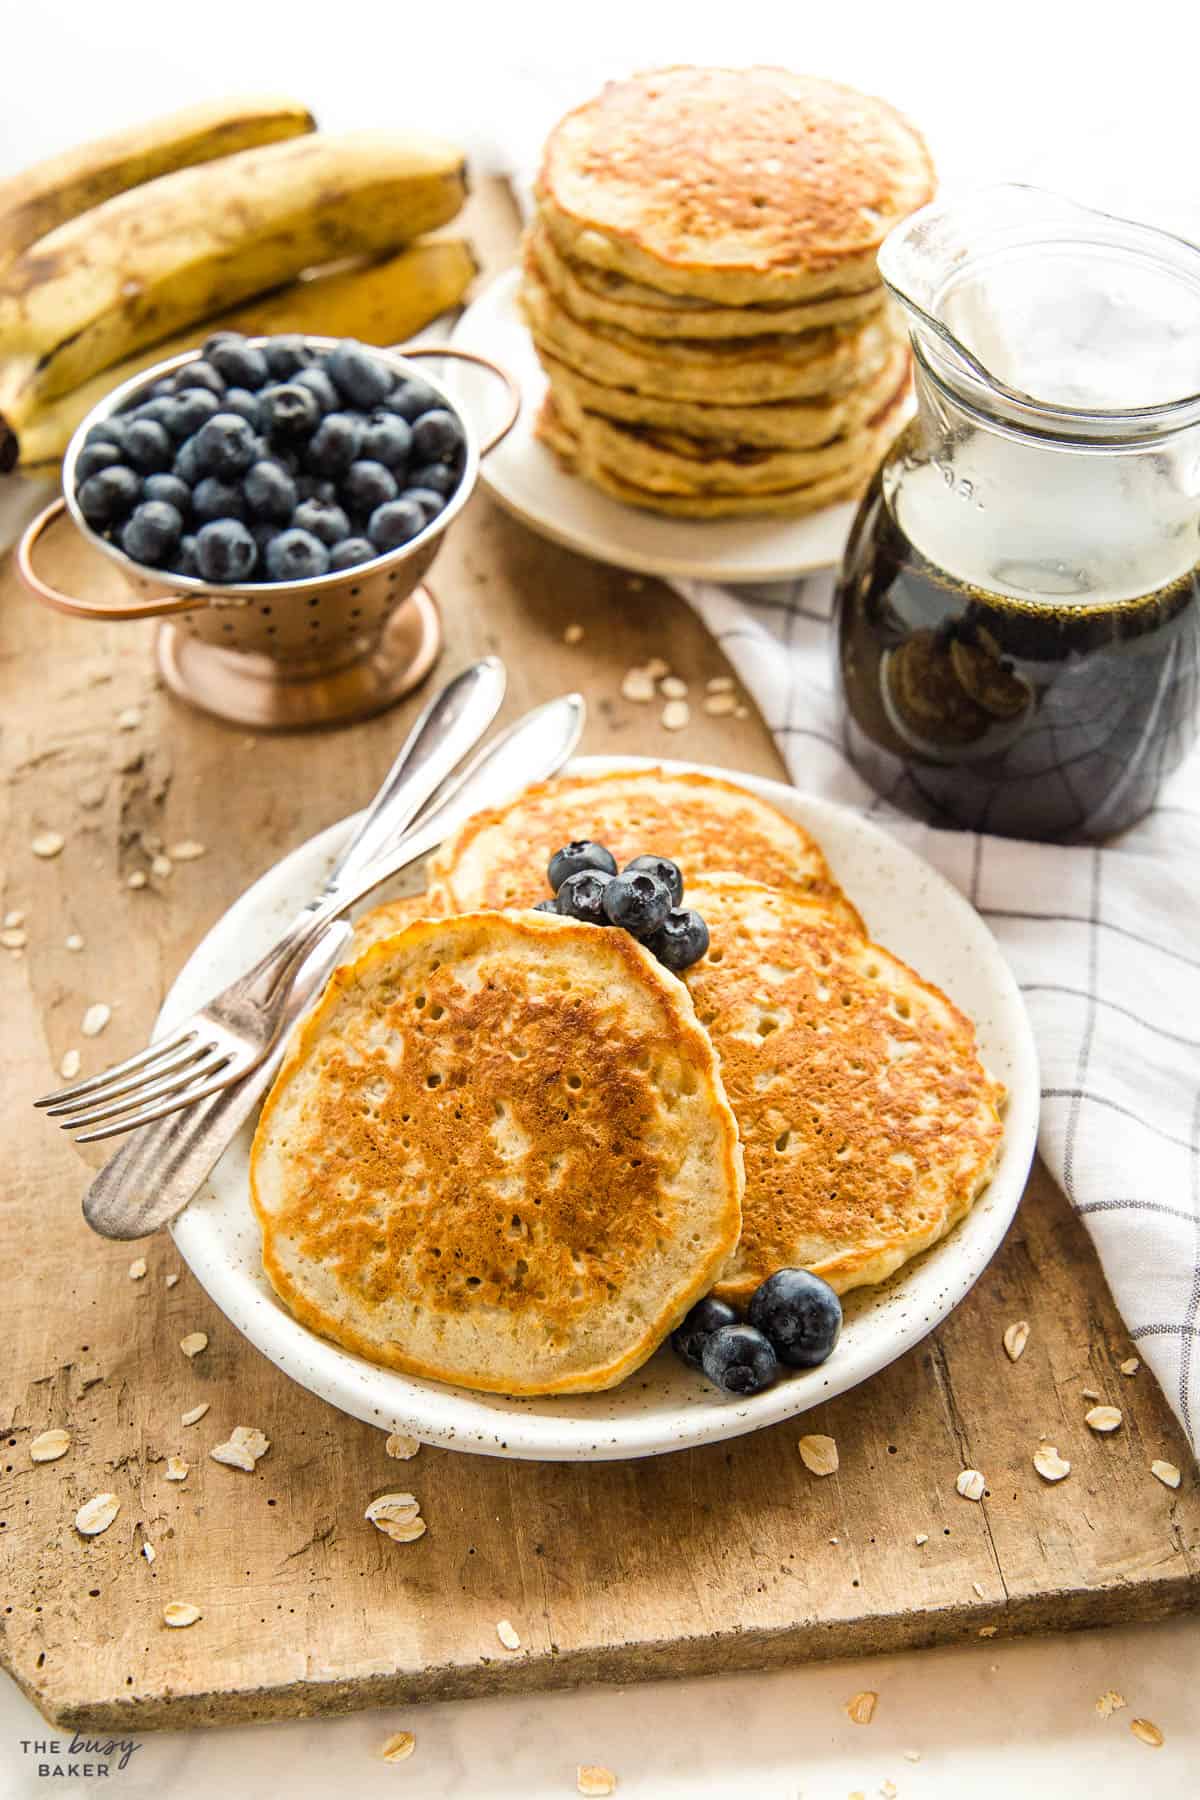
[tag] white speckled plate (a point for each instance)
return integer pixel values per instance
(664, 1406)
(529, 482)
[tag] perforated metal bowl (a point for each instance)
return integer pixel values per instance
(286, 653)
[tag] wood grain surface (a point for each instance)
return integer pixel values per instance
(706, 1560)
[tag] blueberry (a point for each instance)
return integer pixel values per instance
(350, 552)
(148, 447)
(109, 495)
(270, 492)
(170, 489)
(220, 337)
(739, 1360)
(550, 906)
(225, 551)
(637, 902)
(581, 896)
(361, 377)
(108, 431)
(94, 457)
(411, 398)
(185, 464)
(162, 411)
(394, 524)
(262, 531)
(334, 444)
(665, 869)
(680, 940)
(296, 556)
(242, 402)
(289, 411)
(237, 363)
(708, 1315)
(319, 519)
(387, 438)
(194, 409)
(213, 498)
(162, 390)
(437, 437)
(366, 485)
(319, 386)
(799, 1313)
(199, 375)
(184, 562)
(430, 503)
(286, 355)
(151, 532)
(437, 476)
(311, 487)
(579, 854)
(226, 445)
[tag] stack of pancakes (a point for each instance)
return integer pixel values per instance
(509, 1149)
(701, 286)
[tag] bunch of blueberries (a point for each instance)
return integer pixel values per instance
(643, 898)
(793, 1320)
(271, 462)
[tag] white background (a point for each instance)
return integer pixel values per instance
(1098, 101)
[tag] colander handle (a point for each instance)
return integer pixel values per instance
(483, 362)
(156, 608)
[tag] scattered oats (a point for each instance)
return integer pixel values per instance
(250, 1439)
(860, 1710)
(12, 920)
(987, 1631)
(637, 685)
(13, 938)
(1166, 1472)
(1103, 1418)
(834, 1540)
(148, 1552)
(50, 1445)
(161, 866)
(911, 1755)
(187, 851)
(1130, 1366)
(656, 668)
(194, 1343)
(977, 1587)
(672, 687)
(398, 1516)
(49, 843)
(970, 1484)
(1089, 1393)
(818, 1454)
(399, 1746)
(719, 684)
(402, 1447)
(137, 1268)
(178, 1613)
(1148, 1732)
(129, 719)
(194, 1414)
(74, 942)
(1049, 1464)
(594, 1779)
(95, 1019)
(675, 715)
(719, 706)
(573, 634)
(177, 1468)
(171, 1280)
(137, 879)
(70, 1065)
(236, 1456)
(97, 1514)
(1109, 1702)
(889, 1790)
(922, 1537)
(1015, 1339)
(506, 1632)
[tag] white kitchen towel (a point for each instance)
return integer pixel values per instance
(1105, 944)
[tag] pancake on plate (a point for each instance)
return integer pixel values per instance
(389, 918)
(498, 1153)
(868, 1123)
(499, 858)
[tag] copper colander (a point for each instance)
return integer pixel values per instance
(288, 653)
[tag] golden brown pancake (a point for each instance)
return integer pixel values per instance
(499, 858)
(389, 918)
(499, 1154)
(734, 185)
(868, 1123)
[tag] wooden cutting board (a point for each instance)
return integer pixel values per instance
(702, 1561)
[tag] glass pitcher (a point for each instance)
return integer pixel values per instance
(1018, 611)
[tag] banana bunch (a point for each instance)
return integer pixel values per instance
(153, 269)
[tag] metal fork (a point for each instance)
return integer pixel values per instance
(232, 1033)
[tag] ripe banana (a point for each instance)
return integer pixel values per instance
(379, 303)
(188, 245)
(42, 198)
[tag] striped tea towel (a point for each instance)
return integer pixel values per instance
(1105, 944)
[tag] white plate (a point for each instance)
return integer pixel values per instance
(529, 481)
(664, 1406)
